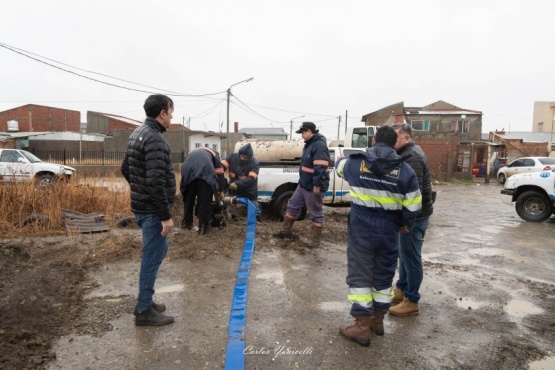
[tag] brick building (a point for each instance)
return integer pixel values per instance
(104, 123)
(446, 133)
(39, 118)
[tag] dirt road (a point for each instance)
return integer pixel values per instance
(488, 297)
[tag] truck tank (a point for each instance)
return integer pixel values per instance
(273, 150)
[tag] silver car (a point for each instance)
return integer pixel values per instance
(525, 165)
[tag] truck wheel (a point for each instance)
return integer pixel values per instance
(501, 178)
(533, 206)
(280, 206)
(45, 179)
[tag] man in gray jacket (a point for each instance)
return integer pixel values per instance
(147, 167)
(411, 271)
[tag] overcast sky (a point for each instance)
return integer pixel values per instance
(313, 58)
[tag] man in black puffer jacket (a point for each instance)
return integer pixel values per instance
(411, 271)
(147, 167)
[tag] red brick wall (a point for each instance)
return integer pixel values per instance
(39, 118)
(439, 148)
(115, 124)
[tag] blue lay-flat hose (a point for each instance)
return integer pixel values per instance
(235, 356)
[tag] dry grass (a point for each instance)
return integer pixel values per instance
(28, 209)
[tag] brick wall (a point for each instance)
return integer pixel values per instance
(39, 118)
(115, 124)
(440, 149)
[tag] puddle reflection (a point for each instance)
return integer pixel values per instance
(466, 303)
(545, 364)
(519, 308)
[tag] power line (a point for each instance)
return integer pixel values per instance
(28, 55)
(208, 111)
(245, 107)
(292, 111)
(255, 112)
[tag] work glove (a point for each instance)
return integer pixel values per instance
(233, 187)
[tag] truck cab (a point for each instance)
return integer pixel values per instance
(359, 137)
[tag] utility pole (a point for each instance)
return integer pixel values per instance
(338, 126)
(346, 116)
(228, 98)
(291, 127)
(183, 133)
(227, 137)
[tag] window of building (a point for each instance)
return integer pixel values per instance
(540, 127)
(419, 125)
(460, 126)
(207, 145)
(215, 147)
(198, 145)
(465, 127)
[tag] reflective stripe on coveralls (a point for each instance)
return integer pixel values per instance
(365, 296)
(384, 199)
(340, 167)
(383, 296)
(362, 296)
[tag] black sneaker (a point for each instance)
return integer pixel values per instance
(151, 317)
(259, 219)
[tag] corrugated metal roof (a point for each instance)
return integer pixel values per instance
(537, 137)
(123, 119)
(84, 223)
(16, 135)
(445, 112)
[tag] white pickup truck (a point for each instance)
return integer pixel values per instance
(20, 165)
(278, 180)
(279, 168)
(533, 195)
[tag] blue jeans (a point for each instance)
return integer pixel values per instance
(155, 247)
(411, 272)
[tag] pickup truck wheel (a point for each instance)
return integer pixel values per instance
(501, 178)
(533, 206)
(280, 206)
(45, 179)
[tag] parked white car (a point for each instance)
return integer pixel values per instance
(20, 165)
(525, 165)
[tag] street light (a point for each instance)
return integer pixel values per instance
(228, 97)
(291, 127)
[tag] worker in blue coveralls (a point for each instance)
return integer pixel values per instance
(385, 200)
(243, 175)
(314, 180)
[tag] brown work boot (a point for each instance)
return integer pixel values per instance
(398, 295)
(359, 332)
(286, 229)
(316, 237)
(376, 322)
(405, 308)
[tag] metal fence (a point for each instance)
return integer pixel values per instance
(92, 158)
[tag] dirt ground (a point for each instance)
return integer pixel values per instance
(44, 281)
